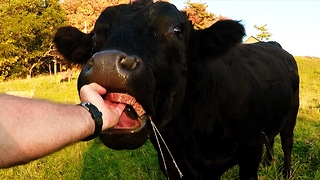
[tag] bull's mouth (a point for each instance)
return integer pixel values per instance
(129, 120)
(131, 131)
(132, 119)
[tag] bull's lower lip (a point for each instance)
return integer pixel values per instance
(131, 131)
(120, 139)
(114, 131)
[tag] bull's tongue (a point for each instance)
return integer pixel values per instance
(127, 121)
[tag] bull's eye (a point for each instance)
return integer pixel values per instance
(178, 31)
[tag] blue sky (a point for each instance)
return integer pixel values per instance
(294, 24)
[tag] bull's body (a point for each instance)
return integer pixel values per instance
(214, 99)
(232, 103)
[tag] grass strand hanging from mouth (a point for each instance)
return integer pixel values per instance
(156, 133)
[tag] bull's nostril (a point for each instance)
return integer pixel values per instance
(129, 63)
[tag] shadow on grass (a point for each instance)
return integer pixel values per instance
(100, 162)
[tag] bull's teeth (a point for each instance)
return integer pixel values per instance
(121, 98)
(127, 99)
(139, 109)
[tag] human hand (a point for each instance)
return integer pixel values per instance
(110, 111)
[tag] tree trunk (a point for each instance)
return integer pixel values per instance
(30, 71)
(49, 68)
(55, 66)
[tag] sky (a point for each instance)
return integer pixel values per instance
(295, 24)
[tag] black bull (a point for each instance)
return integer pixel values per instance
(215, 100)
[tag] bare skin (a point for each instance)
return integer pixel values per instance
(31, 129)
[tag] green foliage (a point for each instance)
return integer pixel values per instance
(83, 14)
(25, 34)
(199, 16)
(91, 160)
(264, 33)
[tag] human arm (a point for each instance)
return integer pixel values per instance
(30, 129)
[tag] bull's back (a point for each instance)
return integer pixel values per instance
(255, 84)
(277, 73)
(272, 66)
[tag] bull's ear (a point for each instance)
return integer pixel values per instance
(221, 36)
(74, 45)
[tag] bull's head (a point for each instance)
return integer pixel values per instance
(137, 49)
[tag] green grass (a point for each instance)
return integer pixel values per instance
(91, 160)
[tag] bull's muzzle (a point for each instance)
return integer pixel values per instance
(116, 65)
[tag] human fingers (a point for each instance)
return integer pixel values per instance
(116, 107)
(111, 111)
(92, 93)
(98, 88)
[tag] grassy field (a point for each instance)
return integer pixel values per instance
(91, 160)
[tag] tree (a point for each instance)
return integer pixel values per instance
(25, 34)
(264, 34)
(200, 18)
(82, 14)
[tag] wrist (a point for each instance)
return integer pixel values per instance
(96, 117)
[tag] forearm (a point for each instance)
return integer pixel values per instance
(30, 129)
